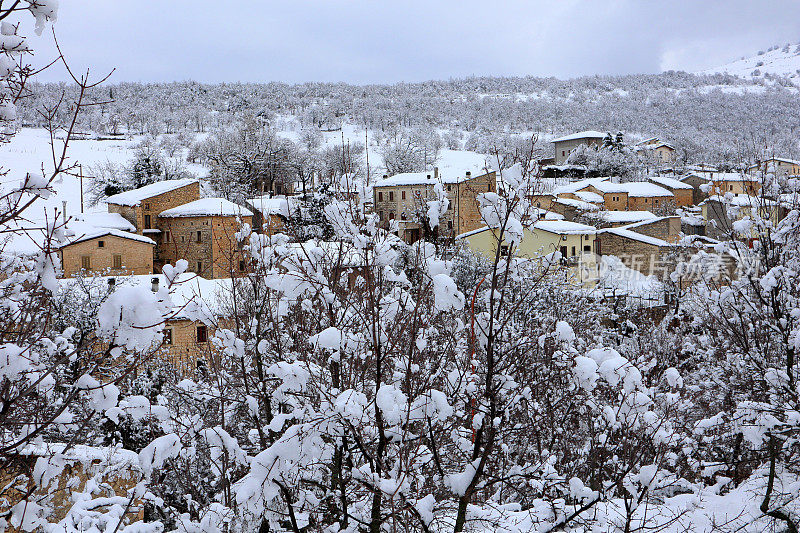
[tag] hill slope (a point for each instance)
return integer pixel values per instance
(778, 61)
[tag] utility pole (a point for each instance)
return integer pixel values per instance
(80, 173)
(366, 147)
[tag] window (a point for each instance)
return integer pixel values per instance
(587, 248)
(448, 187)
(504, 250)
(101, 244)
(645, 200)
(730, 187)
(403, 215)
(563, 153)
(168, 336)
(147, 222)
(403, 195)
(199, 267)
(563, 251)
(183, 238)
(380, 196)
(199, 237)
(241, 265)
(488, 187)
(449, 224)
(86, 262)
(380, 215)
(278, 189)
(573, 251)
(117, 261)
(391, 215)
(147, 206)
(167, 236)
(391, 196)
(202, 334)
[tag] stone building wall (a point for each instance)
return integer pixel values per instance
(214, 254)
(136, 256)
(156, 204)
(650, 203)
(649, 259)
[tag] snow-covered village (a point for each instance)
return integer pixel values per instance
(352, 267)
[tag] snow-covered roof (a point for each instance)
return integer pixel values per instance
(564, 227)
(643, 189)
(135, 196)
(205, 207)
(741, 200)
(82, 453)
(267, 205)
(575, 186)
(732, 176)
(670, 183)
(192, 296)
(423, 178)
(105, 220)
(588, 134)
(588, 196)
(701, 167)
(577, 204)
(623, 217)
(88, 233)
(630, 234)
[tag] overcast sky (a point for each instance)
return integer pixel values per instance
(381, 41)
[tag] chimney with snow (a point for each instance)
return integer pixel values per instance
(154, 284)
(436, 173)
(64, 210)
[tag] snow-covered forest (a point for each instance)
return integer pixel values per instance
(357, 383)
(715, 118)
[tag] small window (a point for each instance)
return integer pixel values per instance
(147, 206)
(199, 237)
(86, 262)
(117, 261)
(380, 196)
(241, 265)
(562, 153)
(168, 336)
(448, 187)
(563, 251)
(404, 195)
(199, 267)
(587, 248)
(573, 250)
(504, 250)
(449, 224)
(167, 236)
(391, 196)
(202, 334)
(380, 215)
(101, 244)
(183, 238)
(403, 215)
(147, 222)
(391, 215)
(278, 189)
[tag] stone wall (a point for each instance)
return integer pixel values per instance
(136, 256)
(649, 259)
(156, 204)
(665, 228)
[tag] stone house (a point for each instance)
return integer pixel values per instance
(700, 184)
(661, 153)
(403, 198)
(777, 165)
(141, 206)
(564, 146)
(203, 233)
(111, 472)
(648, 255)
(107, 251)
(720, 212)
(270, 214)
(682, 191)
(629, 196)
(574, 241)
(733, 182)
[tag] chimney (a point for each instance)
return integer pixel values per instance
(469, 174)
(154, 284)
(429, 176)
(112, 283)
(64, 210)
(436, 173)
(385, 176)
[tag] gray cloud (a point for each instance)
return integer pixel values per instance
(413, 40)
